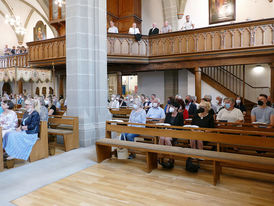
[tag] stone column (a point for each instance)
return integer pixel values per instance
(198, 87)
(87, 67)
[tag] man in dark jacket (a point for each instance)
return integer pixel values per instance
(154, 30)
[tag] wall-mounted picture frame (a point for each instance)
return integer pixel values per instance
(40, 31)
(221, 11)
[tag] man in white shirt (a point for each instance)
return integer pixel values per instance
(219, 103)
(166, 28)
(134, 29)
(229, 113)
(112, 28)
(156, 112)
(188, 24)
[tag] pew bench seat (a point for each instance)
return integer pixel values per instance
(67, 134)
(219, 159)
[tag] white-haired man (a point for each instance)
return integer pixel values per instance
(156, 112)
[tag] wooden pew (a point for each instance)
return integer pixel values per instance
(40, 149)
(103, 150)
(68, 127)
(263, 140)
(244, 126)
(1, 152)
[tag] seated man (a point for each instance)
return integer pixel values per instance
(190, 106)
(219, 103)
(229, 113)
(262, 113)
(134, 29)
(156, 112)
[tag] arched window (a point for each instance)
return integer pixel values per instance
(37, 91)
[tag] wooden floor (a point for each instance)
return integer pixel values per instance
(124, 182)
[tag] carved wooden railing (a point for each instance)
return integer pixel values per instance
(19, 60)
(225, 41)
(211, 39)
(126, 45)
(48, 51)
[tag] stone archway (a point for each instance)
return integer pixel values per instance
(6, 88)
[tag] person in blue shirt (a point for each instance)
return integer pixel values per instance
(156, 112)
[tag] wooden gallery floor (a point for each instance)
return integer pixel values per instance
(124, 182)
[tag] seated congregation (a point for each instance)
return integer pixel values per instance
(30, 127)
(224, 133)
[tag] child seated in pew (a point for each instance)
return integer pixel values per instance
(18, 144)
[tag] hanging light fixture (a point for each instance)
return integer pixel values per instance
(13, 20)
(20, 30)
(60, 3)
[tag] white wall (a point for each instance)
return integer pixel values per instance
(183, 82)
(245, 9)
(152, 11)
(206, 89)
(152, 83)
(29, 33)
(261, 78)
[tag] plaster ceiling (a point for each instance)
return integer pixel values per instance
(25, 9)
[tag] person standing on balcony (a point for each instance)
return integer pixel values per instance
(166, 28)
(13, 51)
(6, 50)
(112, 28)
(134, 29)
(188, 24)
(154, 30)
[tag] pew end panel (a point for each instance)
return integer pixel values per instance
(40, 149)
(103, 152)
(1, 152)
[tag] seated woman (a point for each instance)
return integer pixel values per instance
(8, 119)
(230, 113)
(239, 105)
(18, 144)
(173, 118)
(202, 119)
(137, 115)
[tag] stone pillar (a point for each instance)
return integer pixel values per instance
(86, 69)
(198, 87)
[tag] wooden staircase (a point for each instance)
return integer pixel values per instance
(230, 81)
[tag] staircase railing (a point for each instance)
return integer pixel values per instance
(233, 79)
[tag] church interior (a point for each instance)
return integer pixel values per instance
(136, 102)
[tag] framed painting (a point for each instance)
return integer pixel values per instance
(222, 11)
(40, 31)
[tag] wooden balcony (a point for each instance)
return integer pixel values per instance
(240, 43)
(20, 60)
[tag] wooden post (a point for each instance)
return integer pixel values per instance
(198, 79)
(53, 79)
(243, 84)
(61, 85)
(119, 83)
(50, 10)
(20, 87)
(272, 81)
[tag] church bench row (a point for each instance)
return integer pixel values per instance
(252, 139)
(68, 128)
(39, 150)
(218, 159)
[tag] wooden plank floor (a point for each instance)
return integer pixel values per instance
(124, 182)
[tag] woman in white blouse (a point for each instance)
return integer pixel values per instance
(8, 119)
